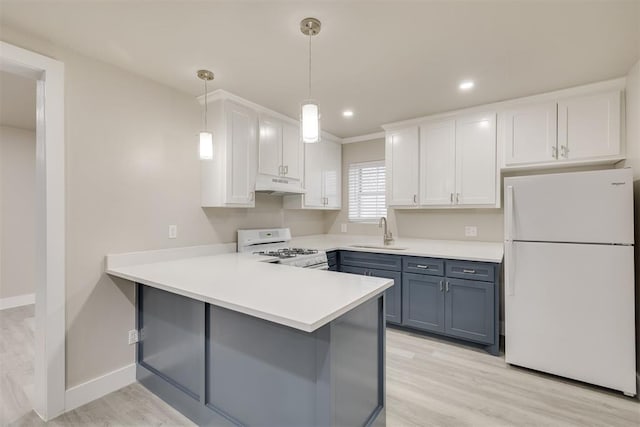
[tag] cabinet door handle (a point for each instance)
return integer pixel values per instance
(564, 150)
(457, 198)
(451, 198)
(280, 170)
(286, 170)
(440, 285)
(554, 152)
(415, 199)
(426, 267)
(447, 286)
(464, 270)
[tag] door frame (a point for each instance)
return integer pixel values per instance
(49, 364)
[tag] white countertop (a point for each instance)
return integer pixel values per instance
(450, 249)
(304, 299)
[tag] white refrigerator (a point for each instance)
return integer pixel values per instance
(569, 276)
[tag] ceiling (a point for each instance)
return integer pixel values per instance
(17, 101)
(387, 61)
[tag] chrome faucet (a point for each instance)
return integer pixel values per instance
(388, 237)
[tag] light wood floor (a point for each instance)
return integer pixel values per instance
(429, 383)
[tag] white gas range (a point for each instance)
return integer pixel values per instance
(274, 242)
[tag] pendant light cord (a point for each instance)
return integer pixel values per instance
(205, 105)
(310, 35)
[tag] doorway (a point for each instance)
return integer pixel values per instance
(49, 278)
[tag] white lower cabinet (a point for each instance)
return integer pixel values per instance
(228, 180)
(322, 178)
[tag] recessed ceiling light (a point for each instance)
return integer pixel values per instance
(466, 85)
(347, 113)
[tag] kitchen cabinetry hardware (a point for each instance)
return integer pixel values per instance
(457, 198)
(447, 286)
(441, 285)
(554, 152)
(422, 266)
(451, 198)
(564, 151)
(469, 271)
(415, 198)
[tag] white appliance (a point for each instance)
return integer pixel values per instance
(274, 242)
(569, 276)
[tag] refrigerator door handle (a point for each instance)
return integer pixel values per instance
(508, 244)
(508, 202)
(509, 262)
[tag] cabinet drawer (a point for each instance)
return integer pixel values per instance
(471, 270)
(368, 260)
(434, 267)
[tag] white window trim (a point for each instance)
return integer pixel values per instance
(381, 210)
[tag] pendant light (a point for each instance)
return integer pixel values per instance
(310, 114)
(206, 137)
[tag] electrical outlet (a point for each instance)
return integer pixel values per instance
(343, 228)
(173, 231)
(133, 336)
(471, 231)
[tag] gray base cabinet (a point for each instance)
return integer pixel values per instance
(457, 299)
(392, 296)
(423, 302)
(469, 310)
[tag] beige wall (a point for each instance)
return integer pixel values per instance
(17, 211)
(132, 169)
(633, 161)
(352, 153)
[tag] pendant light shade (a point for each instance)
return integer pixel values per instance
(206, 145)
(309, 112)
(206, 137)
(310, 122)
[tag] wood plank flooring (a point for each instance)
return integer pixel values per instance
(429, 383)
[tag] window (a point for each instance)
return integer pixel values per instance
(367, 191)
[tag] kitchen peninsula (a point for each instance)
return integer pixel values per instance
(231, 339)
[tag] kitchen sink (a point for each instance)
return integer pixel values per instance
(390, 248)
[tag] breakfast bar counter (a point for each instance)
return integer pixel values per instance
(232, 340)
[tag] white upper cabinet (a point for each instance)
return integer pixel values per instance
(270, 146)
(476, 160)
(437, 163)
(292, 151)
(280, 149)
(332, 175)
(530, 134)
(313, 179)
(449, 163)
(402, 163)
(589, 126)
(228, 180)
(322, 178)
(582, 129)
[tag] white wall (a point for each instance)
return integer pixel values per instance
(132, 169)
(17, 211)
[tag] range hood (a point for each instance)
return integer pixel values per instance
(278, 186)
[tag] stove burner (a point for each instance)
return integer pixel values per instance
(287, 252)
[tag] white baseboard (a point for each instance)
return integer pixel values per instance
(98, 387)
(17, 301)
